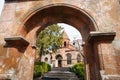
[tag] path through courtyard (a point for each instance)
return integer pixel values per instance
(59, 74)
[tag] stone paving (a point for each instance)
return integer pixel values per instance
(59, 74)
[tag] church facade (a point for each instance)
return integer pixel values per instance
(67, 55)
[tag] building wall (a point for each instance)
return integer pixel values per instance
(54, 62)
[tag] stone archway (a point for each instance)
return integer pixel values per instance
(69, 14)
(43, 13)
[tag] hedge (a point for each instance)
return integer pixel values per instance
(79, 70)
(40, 68)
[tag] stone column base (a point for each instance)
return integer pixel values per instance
(111, 77)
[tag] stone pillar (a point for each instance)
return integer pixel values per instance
(21, 55)
(104, 55)
(87, 75)
(26, 65)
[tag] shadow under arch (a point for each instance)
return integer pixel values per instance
(41, 17)
(38, 8)
(60, 13)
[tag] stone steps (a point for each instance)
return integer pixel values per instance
(59, 74)
(46, 78)
(61, 69)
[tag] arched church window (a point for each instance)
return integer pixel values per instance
(65, 44)
(46, 59)
(69, 58)
(73, 43)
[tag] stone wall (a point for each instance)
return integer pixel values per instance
(18, 65)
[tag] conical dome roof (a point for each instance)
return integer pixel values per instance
(65, 35)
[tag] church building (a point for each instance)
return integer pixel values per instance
(67, 55)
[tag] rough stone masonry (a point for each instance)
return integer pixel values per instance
(97, 20)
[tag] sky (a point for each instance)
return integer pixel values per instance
(1, 5)
(70, 30)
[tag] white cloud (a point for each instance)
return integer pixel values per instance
(72, 32)
(1, 5)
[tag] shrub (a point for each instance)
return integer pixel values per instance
(40, 68)
(79, 70)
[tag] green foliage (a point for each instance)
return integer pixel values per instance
(50, 39)
(79, 70)
(40, 68)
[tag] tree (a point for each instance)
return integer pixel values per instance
(50, 39)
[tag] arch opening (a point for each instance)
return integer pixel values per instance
(72, 16)
(61, 14)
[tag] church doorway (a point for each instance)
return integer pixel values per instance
(59, 60)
